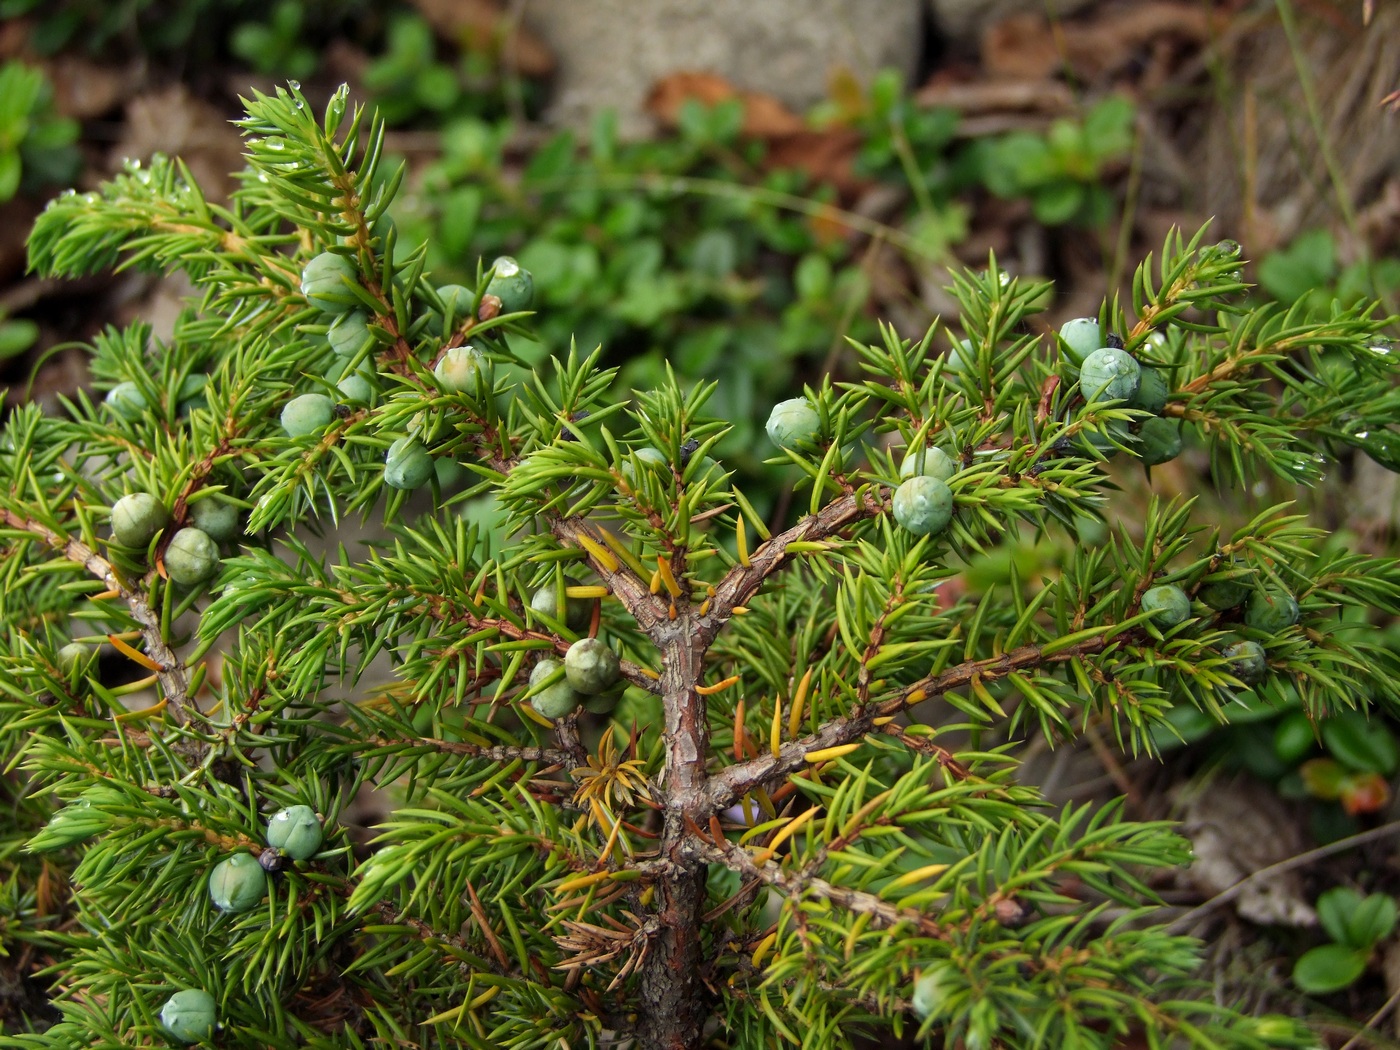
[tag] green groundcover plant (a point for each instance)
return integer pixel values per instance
(653, 770)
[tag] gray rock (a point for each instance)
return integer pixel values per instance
(962, 22)
(611, 52)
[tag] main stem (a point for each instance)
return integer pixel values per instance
(673, 996)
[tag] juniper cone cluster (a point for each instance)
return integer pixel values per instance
(794, 825)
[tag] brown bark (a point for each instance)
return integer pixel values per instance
(673, 1009)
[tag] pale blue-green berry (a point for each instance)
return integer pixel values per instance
(1225, 594)
(794, 423)
(577, 611)
(192, 557)
(512, 285)
(1152, 392)
(407, 464)
(237, 883)
(1271, 610)
(326, 283)
(356, 388)
(220, 520)
(650, 459)
(1109, 374)
(463, 369)
(191, 394)
(1159, 440)
(1168, 604)
(923, 505)
(1079, 338)
(306, 414)
(591, 667)
(348, 333)
(296, 831)
(189, 1015)
(553, 701)
(127, 401)
(456, 300)
(603, 703)
(930, 991)
(706, 469)
(137, 518)
(930, 462)
(1248, 661)
(1091, 532)
(72, 655)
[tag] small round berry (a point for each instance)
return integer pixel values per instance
(326, 282)
(929, 462)
(1227, 593)
(306, 414)
(1109, 374)
(218, 519)
(407, 464)
(356, 388)
(189, 1015)
(577, 611)
(127, 401)
(794, 424)
(1079, 338)
(930, 992)
(137, 518)
(649, 458)
(73, 655)
(1271, 610)
(463, 369)
(591, 667)
(703, 469)
(192, 557)
(512, 285)
(1168, 604)
(1248, 662)
(603, 703)
(923, 505)
(237, 883)
(1159, 440)
(296, 831)
(456, 300)
(1152, 392)
(348, 333)
(553, 701)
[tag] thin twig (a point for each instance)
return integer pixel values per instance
(171, 672)
(1371, 1022)
(1301, 860)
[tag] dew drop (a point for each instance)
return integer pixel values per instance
(1362, 435)
(295, 85)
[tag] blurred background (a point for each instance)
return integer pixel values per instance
(735, 189)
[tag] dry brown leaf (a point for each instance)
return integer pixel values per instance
(1026, 46)
(484, 26)
(764, 115)
(174, 122)
(84, 90)
(1240, 826)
